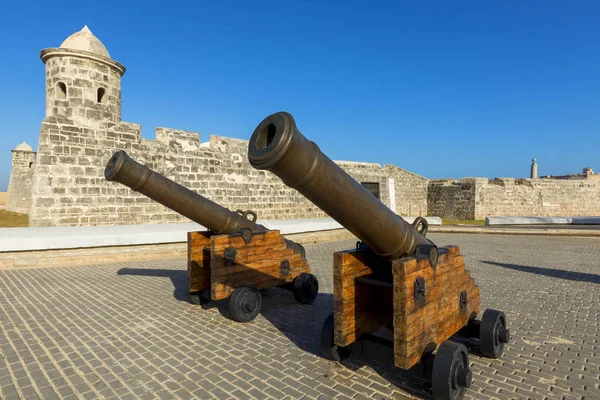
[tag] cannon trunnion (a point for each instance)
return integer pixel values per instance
(395, 277)
(235, 258)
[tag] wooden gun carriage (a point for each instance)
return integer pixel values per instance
(395, 277)
(236, 257)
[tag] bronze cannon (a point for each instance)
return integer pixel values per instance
(218, 219)
(395, 277)
(277, 146)
(236, 257)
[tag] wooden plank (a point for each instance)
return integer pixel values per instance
(450, 265)
(221, 242)
(430, 309)
(198, 265)
(411, 325)
(350, 273)
(447, 307)
(351, 257)
(410, 265)
(228, 267)
(357, 307)
(434, 289)
(439, 316)
(223, 289)
(258, 258)
(414, 346)
(248, 276)
(251, 253)
(255, 264)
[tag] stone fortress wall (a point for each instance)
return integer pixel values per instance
(449, 198)
(537, 197)
(477, 198)
(63, 184)
(70, 188)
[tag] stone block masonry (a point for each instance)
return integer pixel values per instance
(537, 197)
(477, 198)
(452, 199)
(84, 90)
(410, 192)
(70, 189)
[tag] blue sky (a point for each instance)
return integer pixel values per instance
(443, 89)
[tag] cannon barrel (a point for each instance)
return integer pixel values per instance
(125, 170)
(278, 146)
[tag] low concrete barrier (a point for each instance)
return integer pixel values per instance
(585, 221)
(542, 221)
(52, 238)
(75, 246)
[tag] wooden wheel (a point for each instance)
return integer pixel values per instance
(306, 288)
(451, 373)
(493, 334)
(245, 304)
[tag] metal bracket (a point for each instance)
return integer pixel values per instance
(420, 290)
(429, 251)
(246, 213)
(420, 221)
(229, 256)
(247, 235)
(463, 300)
(284, 268)
(360, 245)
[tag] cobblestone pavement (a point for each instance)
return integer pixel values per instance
(125, 331)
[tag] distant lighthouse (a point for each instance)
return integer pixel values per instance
(534, 173)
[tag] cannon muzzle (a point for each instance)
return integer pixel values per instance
(278, 146)
(125, 170)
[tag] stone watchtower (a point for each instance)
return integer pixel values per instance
(83, 83)
(18, 196)
(83, 103)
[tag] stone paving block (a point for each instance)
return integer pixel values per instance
(257, 394)
(137, 337)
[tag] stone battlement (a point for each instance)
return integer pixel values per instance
(70, 190)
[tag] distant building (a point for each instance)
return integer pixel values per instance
(18, 196)
(587, 173)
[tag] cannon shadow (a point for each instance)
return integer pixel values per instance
(301, 324)
(178, 278)
(553, 273)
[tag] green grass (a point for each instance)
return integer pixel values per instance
(479, 222)
(13, 220)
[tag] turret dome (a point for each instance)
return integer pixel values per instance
(24, 147)
(86, 41)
